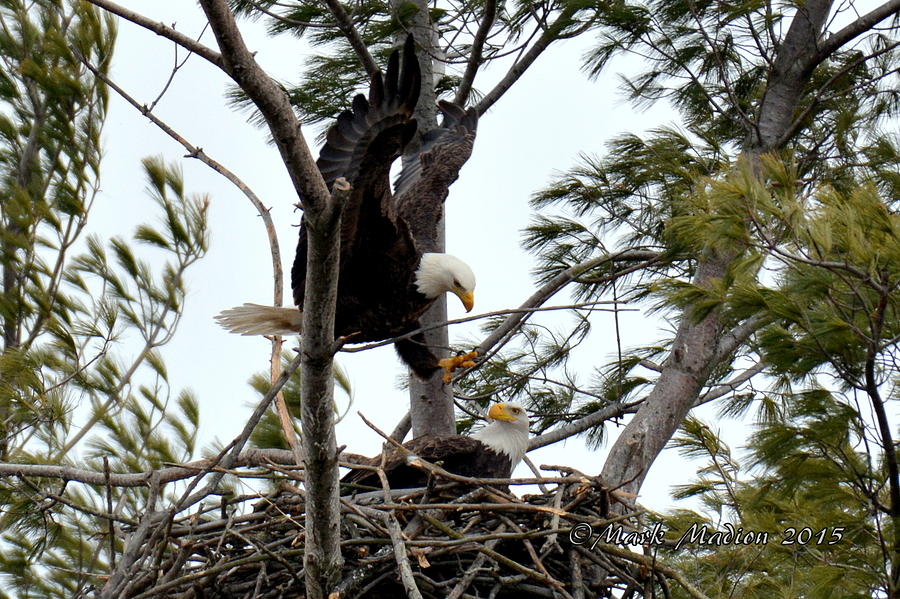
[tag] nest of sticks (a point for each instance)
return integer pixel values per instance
(457, 538)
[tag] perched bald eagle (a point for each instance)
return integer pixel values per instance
(492, 452)
(390, 271)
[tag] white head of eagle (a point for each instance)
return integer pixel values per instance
(506, 432)
(440, 273)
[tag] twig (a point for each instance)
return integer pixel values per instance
(830, 44)
(647, 563)
(262, 211)
(474, 317)
(537, 560)
(554, 521)
(274, 105)
(400, 554)
(522, 64)
(534, 469)
(472, 570)
(498, 336)
(731, 385)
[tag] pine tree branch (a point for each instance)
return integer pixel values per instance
(694, 349)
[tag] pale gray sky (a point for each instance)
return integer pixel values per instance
(550, 116)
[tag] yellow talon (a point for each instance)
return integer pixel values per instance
(454, 362)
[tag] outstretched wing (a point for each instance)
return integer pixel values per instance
(429, 171)
(360, 147)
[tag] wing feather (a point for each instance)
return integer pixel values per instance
(360, 147)
(428, 172)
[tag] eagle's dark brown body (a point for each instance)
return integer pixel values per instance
(465, 456)
(384, 235)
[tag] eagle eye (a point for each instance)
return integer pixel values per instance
(456, 283)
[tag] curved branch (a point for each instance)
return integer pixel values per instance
(199, 154)
(273, 104)
(500, 335)
(163, 30)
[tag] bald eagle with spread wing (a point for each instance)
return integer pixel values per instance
(390, 269)
(492, 452)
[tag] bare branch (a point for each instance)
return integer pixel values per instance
(251, 457)
(163, 30)
(731, 385)
(500, 335)
(345, 24)
(199, 154)
(273, 103)
(833, 42)
(474, 62)
(590, 306)
(615, 410)
(550, 34)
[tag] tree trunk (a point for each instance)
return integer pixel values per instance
(430, 401)
(690, 361)
(322, 559)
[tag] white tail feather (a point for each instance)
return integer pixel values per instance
(254, 319)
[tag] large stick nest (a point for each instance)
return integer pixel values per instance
(449, 540)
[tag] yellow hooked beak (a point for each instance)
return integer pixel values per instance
(467, 299)
(498, 411)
